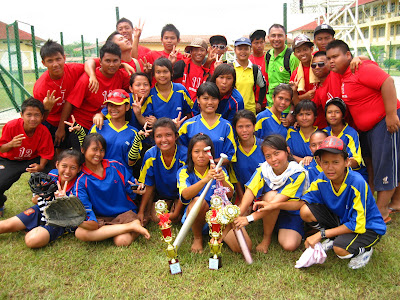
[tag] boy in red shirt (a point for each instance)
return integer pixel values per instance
(125, 28)
(25, 146)
(83, 103)
(220, 45)
(370, 96)
(59, 78)
(257, 39)
(323, 35)
(302, 48)
(191, 72)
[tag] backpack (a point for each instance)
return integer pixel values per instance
(286, 60)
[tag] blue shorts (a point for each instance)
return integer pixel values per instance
(383, 148)
(31, 219)
(205, 227)
(290, 220)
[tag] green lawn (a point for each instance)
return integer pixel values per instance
(69, 269)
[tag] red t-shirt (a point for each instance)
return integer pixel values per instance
(87, 104)
(361, 92)
(325, 91)
(260, 62)
(153, 55)
(72, 72)
(192, 76)
(308, 86)
(142, 51)
(38, 145)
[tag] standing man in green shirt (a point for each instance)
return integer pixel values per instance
(280, 61)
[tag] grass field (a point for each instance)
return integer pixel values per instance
(69, 268)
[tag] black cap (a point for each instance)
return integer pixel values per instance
(324, 28)
(218, 39)
(338, 102)
(257, 34)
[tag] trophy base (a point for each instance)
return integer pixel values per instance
(215, 263)
(174, 267)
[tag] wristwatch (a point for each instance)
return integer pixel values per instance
(322, 231)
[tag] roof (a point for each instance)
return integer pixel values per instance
(308, 26)
(23, 35)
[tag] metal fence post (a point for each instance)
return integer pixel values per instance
(117, 13)
(34, 52)
(83, 49)
(62, 39)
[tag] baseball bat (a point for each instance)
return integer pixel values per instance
(243, 246)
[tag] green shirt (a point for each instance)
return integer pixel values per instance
(277, 73)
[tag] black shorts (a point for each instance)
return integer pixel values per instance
(53, 129)
(351, 242)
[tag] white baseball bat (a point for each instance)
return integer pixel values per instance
(195, 210)
(243, 245)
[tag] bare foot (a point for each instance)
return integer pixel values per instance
(136, 227)
(263, 246)
(197, 246)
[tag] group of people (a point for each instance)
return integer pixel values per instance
(309, 133)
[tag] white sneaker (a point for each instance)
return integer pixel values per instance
(360, 260)
(327, 245)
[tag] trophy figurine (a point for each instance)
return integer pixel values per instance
(165, 226)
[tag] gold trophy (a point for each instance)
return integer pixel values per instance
(217, 218)
(165, 226)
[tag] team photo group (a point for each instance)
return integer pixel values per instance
(301, 138)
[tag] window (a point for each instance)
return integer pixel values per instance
(397, 29)
(374, 32)
(383, 9)
(366, 33)
(391, 29)
(398, 53)
(375, 11)
(352, 35)
(368, 12)
(381, 31)
(392, 6)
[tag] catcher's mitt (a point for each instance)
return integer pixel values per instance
(65, 212)
(42, 184)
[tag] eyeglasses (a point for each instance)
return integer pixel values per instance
(117, 94)
(221, 47)
(320, 64)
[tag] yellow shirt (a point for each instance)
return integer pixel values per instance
(245, 84)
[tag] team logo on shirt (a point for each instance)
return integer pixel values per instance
(179, 108)
(221, 138)
(343, 94)
(281, 69)
(29, 211)
(385, 180)
(127, 143)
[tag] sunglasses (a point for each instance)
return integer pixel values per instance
(117, 94)
(221, 47)
(320, 64)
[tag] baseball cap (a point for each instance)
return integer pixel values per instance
(332, 144)
(256, 34)
(324, 28)
(242, 41)
(117, 97)
(218, 39)
(301, 39)
(196, 43)
(339, 103)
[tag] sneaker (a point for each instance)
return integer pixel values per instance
(327, 245)
(360, 260)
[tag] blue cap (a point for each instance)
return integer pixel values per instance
(243, 41)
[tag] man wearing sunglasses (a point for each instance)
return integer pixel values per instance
(219, 43)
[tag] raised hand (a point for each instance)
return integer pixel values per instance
(137, 30)
(295, 84)
(146, 65)
(50, 100)
(141, 188)
(137, 105)
(72, 125)
(16, 141)
(173, 56)
(146, 131)
(61, 192)
(218, 60)
(178, 121)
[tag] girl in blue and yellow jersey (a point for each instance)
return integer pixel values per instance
(160, 166)
(335, 110)
(209, 122)
(249, 154)
(270, 121)
(298, 139)
(167, 99)
(192, 179)
(280, 179)
(105, 189)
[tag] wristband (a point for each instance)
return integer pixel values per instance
(250, 218)
(322, 231)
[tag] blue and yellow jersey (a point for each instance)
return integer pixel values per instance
(119, 141)
(313, 170)
(177, 101)
(227, 107)
(156, 173)
(350, 136)
(247, 163)
(221, 134)
(133, 121)
(108, 195)
(293, 187)
(268, 123)
(353, 203)
(298, 144)
(186, 179)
